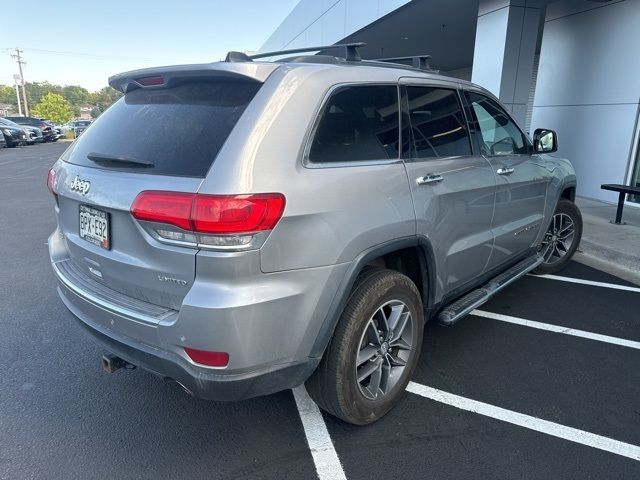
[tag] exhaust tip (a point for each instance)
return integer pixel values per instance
(111, 363)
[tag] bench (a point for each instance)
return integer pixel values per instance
(622, 190)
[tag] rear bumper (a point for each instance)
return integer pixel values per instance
(267, 323)
(202, 383)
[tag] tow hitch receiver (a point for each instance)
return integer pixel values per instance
(111, 363)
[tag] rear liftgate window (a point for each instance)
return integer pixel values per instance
(357, 124)
(171, 131)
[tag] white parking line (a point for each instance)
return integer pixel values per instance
(544, 426)
(323, 452)
(589, 282)
(558, 329)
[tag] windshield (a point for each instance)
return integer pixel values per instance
(9, 123)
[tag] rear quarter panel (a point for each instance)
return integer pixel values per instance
(332, 214)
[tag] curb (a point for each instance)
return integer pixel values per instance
(622, 265)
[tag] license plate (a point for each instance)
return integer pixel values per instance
(94, 226)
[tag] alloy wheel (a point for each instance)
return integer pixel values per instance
(558, 239)
(384, 350)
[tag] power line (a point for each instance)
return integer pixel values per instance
(84, 54)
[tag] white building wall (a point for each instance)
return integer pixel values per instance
(324, 22)
(506, 39)
(588, 88)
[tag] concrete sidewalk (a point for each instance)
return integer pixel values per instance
(605, 244)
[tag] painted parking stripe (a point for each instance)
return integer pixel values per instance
(557, 329)
(589, 282)
(323, 452)
(544, 426)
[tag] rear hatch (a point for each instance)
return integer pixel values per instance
(160, 138)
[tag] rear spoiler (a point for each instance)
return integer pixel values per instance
(162, 77)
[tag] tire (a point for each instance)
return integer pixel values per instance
(558, 247)
(334, 386)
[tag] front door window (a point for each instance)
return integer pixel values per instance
(499, 134)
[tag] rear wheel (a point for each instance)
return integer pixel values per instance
(561, 239)
(374, 350)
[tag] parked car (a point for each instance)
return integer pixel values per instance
(76, 127)
(3, 142)
(336, 205)
(34, 134)
(14, 134)
(56, 128)
(49, 134)
(31, 133)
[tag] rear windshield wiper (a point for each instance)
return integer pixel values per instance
(105, 158)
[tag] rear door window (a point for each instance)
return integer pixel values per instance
(179, 130)
(438, 125)
(358, 123)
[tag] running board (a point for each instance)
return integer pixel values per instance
(472, 300)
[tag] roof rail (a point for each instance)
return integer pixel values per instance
(347, 51)
(417, 61)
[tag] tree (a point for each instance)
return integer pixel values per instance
(76, 95)
(104, 98)
(8, 95)
(37, 90)
(53, 107)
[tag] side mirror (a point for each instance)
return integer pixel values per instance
(545, 141)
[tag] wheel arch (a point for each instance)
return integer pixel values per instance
(400, 255)
(568, 192)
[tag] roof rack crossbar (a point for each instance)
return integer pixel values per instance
(347, 51)
(417, 61)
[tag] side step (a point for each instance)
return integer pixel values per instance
(472, 300)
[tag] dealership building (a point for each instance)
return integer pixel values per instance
(569, 65)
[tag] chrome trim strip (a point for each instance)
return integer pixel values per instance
(105, 305)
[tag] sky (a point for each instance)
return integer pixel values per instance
(83, 42)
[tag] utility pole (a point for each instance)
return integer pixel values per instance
(24, 91)
(15, 79)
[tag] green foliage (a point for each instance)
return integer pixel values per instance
(104, 98)
(37, 90)
(53, 107)
(74, 95)
(8, 95)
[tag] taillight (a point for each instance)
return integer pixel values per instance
(214, 221)
(164, 207)
(51, 182)
(223, 214)
(210, 359)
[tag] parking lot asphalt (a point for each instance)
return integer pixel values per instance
(543, 382)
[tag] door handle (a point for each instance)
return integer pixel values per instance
(505, 171)
(430, 179)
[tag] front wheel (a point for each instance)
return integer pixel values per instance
(561, 239)
(374, 350)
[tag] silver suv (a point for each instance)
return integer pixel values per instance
(243, 227)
